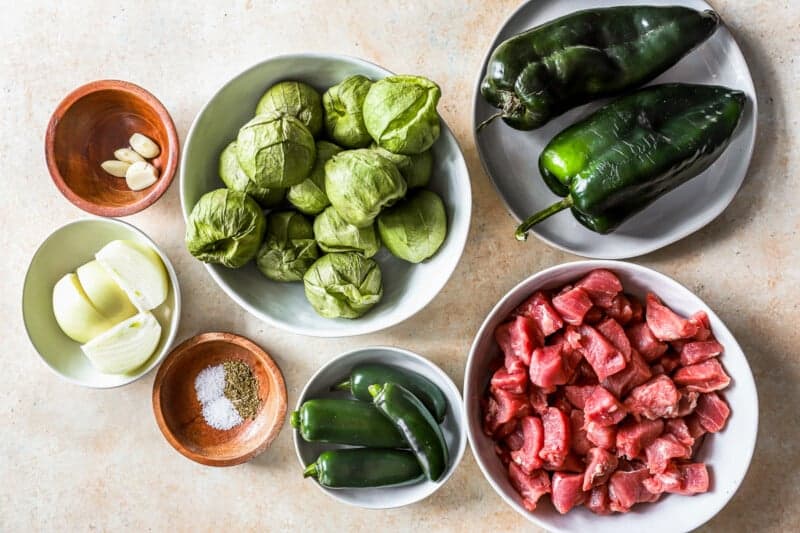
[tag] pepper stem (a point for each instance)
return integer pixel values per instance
(311, 470)
(522, 230)
(294, 420)
(489, 120)
(344, 385)
(375, 389)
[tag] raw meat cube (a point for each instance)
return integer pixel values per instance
(527, 456)
(665, 324)
(516, 382)
(688, 402)
(598, 500)
(644, 342)
(678, 428)
(712, 412)
(538, 399)
(571, 463)
(580, 443)
(698, 351)
(627, 488)
(696, 429)
(603, 408)
(518, 339)
(514, 440)
(604, 358)
(633, 436)
(530, 487)
(571, 359)
(539, 308)
(572, 305)
(556, 436)
(601, 285)
(662, 450)
(600, 464)
(601, 436)
(502, 408)
(506, 429)
(707, 376)
(612, 331)
(634, 374)
(620, 309)
(657, 398)
(547, 367)
(680, 478)
(567, 491)
(700, 318)
(577, 394)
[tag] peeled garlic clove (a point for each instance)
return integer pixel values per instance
(127, 155)
(144, 146)
(116, 168)
(140, 176)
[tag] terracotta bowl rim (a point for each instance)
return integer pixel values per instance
(172, 148)
(184, 349)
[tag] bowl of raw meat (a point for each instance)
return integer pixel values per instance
(605, 396)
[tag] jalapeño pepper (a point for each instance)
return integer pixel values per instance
(547, 70)
(346, 422)
(416, 424)
(627, 154)
(364, 467)
(366, 374)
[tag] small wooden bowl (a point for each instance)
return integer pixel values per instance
(179, 413)
(85, 130)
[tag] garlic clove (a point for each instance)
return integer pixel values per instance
(116, 168)
(127, 155)
(140, 175)
(144, 146)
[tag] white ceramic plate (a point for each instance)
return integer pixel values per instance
(727, 453)
(336, 371)
(67, 248)
(407, 288)
(510, 156)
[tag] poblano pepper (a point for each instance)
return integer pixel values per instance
(621, 158)
(547, 70)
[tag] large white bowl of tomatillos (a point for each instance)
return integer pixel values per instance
(101, 303)
(326, 195)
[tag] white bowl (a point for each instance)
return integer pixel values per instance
(407, 288)
(727, 454)
(336, 371)
(66, 249)
(510, 157)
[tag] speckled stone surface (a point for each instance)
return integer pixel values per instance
(73, 459)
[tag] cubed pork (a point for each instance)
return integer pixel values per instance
(655, 399)
(518, 338)
(644, 342)
(712, 412)
(680, 478)
(598, 502)
(556, 436)
(567, 492)
(541, 310)
(527, 456)
(662, 450)
(603, 408)
(601, 436)
(632, 436)
(600, 464)
(612, 331)
(604, 358)
(678, 428)
(547, 367)
(530, 487)
(504, 406)
(620, 309)
(577, 394)
(601, 285)
(698, 351)
(625, 489)
(636, 372)
(707, 376)
(665, 324)
(516, 382)
(579, 443)
(572, 305)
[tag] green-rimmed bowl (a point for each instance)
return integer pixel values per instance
(66, 249)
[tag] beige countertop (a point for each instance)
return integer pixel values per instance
(80, 459)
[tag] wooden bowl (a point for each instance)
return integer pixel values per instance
(179, 413)
(88, 126)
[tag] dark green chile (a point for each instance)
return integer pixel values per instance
(364, 468)
(346, 422)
